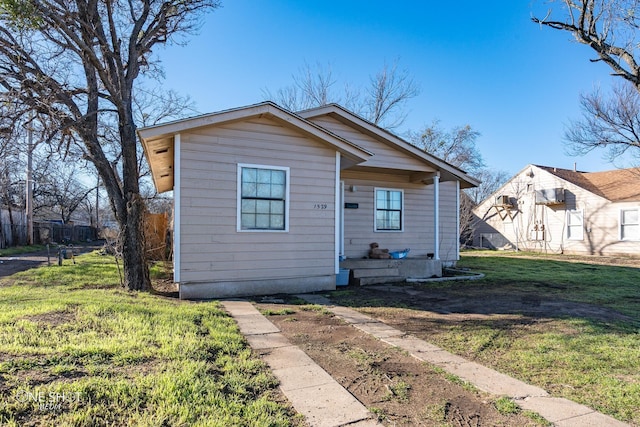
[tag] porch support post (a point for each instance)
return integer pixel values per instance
(458, 219)
(337, 215)
(436, 215)
(176, 208)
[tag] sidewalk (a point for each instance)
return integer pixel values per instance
(309, 388)
(323, 402)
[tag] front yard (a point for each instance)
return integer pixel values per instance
(571, 327)
(75, 349)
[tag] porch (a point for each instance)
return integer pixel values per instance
(376, 271)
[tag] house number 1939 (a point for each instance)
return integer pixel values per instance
(321, 206)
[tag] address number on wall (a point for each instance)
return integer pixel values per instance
(320, 206)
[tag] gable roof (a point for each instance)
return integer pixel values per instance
(158, 141)
(448, 171)
(619, 185)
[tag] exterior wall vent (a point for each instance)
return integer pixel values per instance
(550, 196)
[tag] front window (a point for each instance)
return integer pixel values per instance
(389, 205)
(263, 198)
(575, 225)
(630, 224)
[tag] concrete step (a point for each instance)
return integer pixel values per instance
(379, 280)
(375, 272)
(355, 264)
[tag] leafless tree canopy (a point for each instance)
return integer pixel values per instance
(611, 29)
(76, 62)
(456, 147)
(611, 122)
(382, 101)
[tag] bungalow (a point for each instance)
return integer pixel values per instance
(557, 210)
(269, 201)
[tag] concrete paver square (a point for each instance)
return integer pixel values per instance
(328, 405)
(252, 324)
(297, 377)
(272, 340)
(554, 409)
(412, 344)
(441, 358)
(350, 316)
(286, 357)
(594, 419)
(494, 382)
(378, 329)
(239, 307)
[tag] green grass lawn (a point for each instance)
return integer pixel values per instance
(590, 361)
(76, 349)
(17, 250)
(594, 360)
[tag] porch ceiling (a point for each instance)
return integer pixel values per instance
(416, 175)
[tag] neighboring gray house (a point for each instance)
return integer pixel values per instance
(557, 210)
(269, 201)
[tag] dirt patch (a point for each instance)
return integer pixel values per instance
(165, 287)
(399, 389)
(459, 302)
(53, 318)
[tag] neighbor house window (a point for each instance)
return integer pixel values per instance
(389, 204)
(263, 195)
(575, 225)
(630, 224)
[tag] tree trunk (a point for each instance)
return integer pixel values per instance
(14, 231)
(134, 257)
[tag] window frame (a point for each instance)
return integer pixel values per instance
(239, 198)
(569, 225)
(621, 224)
(375, 210)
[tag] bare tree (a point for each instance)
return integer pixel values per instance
(76, 62)
(611, 29)
(58, 189)
(382, 101)
(387, 95)
(490, 181)
(612, 123)
(456, 147)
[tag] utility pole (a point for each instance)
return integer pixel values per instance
(97, 205)
(29, 199)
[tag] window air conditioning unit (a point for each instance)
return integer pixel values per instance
(503, 201)
(550, 196)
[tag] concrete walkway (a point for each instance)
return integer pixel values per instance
(559, 411)
(310, 389)
(324, 402)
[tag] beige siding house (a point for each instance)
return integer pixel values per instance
(269, 201)
(564, 211)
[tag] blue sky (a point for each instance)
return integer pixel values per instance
(479, 63)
